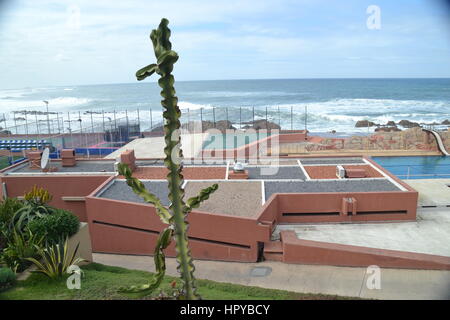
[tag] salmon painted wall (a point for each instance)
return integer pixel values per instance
(59, 186)
(132, 228)
(323, 253)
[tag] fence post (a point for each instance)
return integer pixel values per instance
(80, 120)
(151, 120)
(189, 120)
(70, 129)
(201, 119)
(37, 130)
(15, 121)
(267, 125)
(128, 124)
(92, 122)
(139, 123)
(279, 117)
(253, 113)
(103, 121)
(240, 118)
(226, 112)
(292, 119)
(306, 118)
(26, 123)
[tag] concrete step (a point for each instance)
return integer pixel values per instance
(273, 251)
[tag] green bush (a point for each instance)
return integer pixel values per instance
(8, 207)
(7, 278)
(55, 227)
(20, 246)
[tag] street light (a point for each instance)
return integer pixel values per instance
(48, 117)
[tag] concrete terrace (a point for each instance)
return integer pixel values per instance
(430, 234)
(432, 192)
(154, 147)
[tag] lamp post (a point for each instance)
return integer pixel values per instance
(48, 116)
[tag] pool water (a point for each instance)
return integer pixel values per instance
(429, 167)
(231, 141)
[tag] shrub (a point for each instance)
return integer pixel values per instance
(55, 260)
(7, 278)
(8, 207)
(35, 205)
(20, 246)
(55, 227)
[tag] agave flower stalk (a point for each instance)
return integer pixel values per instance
(175, 215)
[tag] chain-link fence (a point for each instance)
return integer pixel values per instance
(98, 133)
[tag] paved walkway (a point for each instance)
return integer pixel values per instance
(432, 192)
(430, 234)
(343, 281)
(154, 147)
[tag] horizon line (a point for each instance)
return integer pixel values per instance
(249, 79)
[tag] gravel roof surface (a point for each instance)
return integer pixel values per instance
(189, 173)
(366, 185)
(273, 172)
(233, 197)
(329, 172)
(188, 162)
(119, 190)
(331, 161)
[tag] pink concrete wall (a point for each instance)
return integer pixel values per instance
(58, 186)
(132, 228)
(323, 253)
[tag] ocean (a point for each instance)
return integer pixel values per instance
(332, 104)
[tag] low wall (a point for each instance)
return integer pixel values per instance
(331, 207)
(132, 228)
(68, 191)
(324, 253)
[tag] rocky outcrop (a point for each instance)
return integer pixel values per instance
(446, 122)
(408, 124)
(387, 129)
(364, 124)
(261, 124)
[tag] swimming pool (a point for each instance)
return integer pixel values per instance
(417, 167)
(231, 141)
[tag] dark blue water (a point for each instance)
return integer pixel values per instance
(333, 104)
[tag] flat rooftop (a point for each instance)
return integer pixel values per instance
(351, 185)
(430, 234)
(332, 161)
(84, 166)
(119, 190)
(275, 172)
(238, 198)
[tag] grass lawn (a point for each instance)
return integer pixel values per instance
(103, 282)
(4, 161)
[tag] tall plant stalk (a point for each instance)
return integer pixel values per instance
(175, 215)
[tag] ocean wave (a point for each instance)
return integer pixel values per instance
(193, 106)
(59, 103)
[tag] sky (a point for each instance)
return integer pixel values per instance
(57, 42)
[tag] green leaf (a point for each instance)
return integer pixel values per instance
(162, 243)
(168, 57)
(147, 71)
(204, 194)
